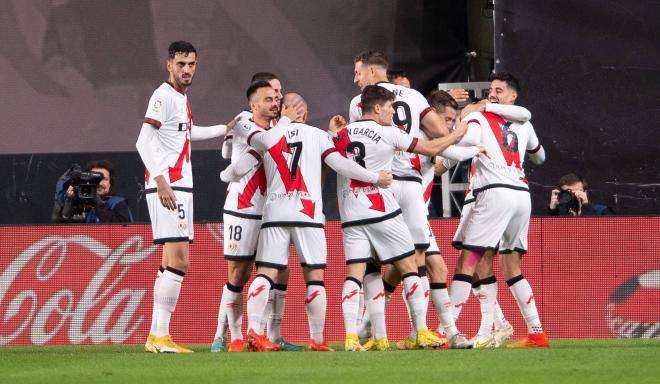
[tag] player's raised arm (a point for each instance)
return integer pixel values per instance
(235, 171)
(352, 170)
(262, 140)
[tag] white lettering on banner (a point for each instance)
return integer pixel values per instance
(62, 306)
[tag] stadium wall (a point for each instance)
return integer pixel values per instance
(592, 278)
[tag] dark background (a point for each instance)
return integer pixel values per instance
(590, 74)
(77, 77)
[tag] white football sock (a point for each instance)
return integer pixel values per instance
(257, 300)
(350, 305)
(522, 291)
(487, 297)
(168, 295)
(277, 312)
(459, 291)
(315, 306)
(230, 313)
(412, 285)
(374, 296)
(154, 312)
(443, 308)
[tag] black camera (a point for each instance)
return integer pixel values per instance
(567, 201)
(84, 182)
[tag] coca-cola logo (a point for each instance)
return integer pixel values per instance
(88, 297)
(630, 311)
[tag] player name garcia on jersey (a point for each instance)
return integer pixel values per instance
(410, 107)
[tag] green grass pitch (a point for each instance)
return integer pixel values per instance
(566, 361)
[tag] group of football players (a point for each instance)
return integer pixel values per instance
(386, 155)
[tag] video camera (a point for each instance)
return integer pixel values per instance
(84, 182)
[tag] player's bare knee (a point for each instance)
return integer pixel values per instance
(437, 269)
(282, 276)
(406, 265)
(313, 274)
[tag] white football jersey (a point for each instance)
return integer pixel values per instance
(246, 196)
(507, 143)
(169, 111)
(373, 147)
(293, 164)
(409, 110)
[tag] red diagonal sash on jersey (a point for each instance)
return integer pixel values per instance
(416, 163)
(341, 143)
(427, 192)
(497, 125)
(175, 172)
(295, 183)
(256, 182)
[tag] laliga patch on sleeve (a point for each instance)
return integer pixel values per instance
(158, 105)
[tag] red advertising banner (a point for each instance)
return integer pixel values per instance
(92, 284)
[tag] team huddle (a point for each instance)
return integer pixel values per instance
(385, 157)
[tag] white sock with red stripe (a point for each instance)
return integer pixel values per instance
(154, 312)
(413, 332)
(230, 313)
(459, 291)
(443, 308)
(487, 297)
(256, 303)
(277, 312)
(522, 291)
(315, 306)
(350, 304)
(412, 286)
(374, 296)
(168, 295)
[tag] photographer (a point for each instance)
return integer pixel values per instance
(85, 197)
(571, 199)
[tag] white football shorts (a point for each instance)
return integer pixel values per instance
(240, 236)
(389, 239)
(169, 226)
(309, 243)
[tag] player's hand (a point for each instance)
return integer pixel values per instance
(70, 192)
(294, 112)
(553, 199)
(483, 150)
(232, 124)
(336, 123)
(384, 179)
(459, 94)
(459, 131)
(165, 193)
(479, 106)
